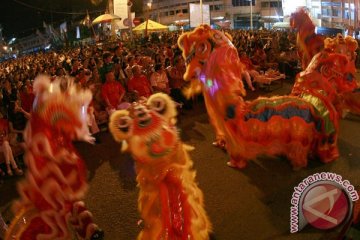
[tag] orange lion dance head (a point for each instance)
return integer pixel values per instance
(200, 49)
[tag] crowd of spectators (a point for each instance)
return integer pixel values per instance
(119, 73)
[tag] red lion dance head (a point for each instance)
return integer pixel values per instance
(50, 206)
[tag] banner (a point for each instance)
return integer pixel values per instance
(63, 28)
(195, 14)
(121, 10)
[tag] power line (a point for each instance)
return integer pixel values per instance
(57, 12)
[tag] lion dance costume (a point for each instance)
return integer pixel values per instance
(170, 203)
(50, 206)
(308, 41)
(311, 44)
(283, 125)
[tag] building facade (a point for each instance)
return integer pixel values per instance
(239, 12)
(264, 13)
(339, 14)
(32, 43)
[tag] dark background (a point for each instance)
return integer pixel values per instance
(20, 18)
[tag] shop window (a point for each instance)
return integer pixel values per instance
(242, 3)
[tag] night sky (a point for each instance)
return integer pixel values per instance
(18, 20)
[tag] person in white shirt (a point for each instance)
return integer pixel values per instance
(130, 64)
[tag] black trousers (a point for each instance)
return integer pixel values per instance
(179, 97)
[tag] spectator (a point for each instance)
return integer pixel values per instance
(108, 66)
(60, 72)
(6, 149)
(118, 65)
(139, 83)
(288, 62)
(75, 65)
(112, 92)
(130, 64)
(248, 71)
(159, 80)
(147, 66)
(259, 58)
(168, 53)
(82, 76)
(9, 96)
(176, 82)
(17, 119)
(92, 113)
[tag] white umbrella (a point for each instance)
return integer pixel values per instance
(224, 24)
(105, 18)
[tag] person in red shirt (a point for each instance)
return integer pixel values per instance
(139, 83)
(248, 71)
(177, 83)
(112, 92)
(81, 77)
(27, 97)
(246, 61)
(6, 149)
(259, 58)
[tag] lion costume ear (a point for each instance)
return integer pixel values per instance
(228, 35)
(351, 43)
(120, 125)
(329, 43)
(183, 43)
(164, 105)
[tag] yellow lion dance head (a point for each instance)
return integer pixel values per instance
(147, 129)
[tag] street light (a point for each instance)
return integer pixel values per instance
(201, 12)
(149, 4)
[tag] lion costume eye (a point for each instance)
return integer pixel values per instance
(158, 105)
(120, 125)
(201, 48)
(162, 104)
(124, 123)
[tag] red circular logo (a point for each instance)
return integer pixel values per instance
(136, 21)
(325, 206)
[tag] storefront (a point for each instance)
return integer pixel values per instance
(243, 21)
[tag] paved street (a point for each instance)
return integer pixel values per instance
(251, 204)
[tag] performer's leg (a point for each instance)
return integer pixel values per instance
(247, 78)
(213, 117)
(3, 227)
(82, 222)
